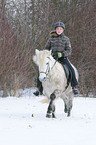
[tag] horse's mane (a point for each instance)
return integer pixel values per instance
(40, 55)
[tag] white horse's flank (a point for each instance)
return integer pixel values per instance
(54, 81)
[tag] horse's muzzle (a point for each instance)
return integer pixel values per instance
(42, 77)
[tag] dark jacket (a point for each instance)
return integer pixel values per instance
(58, 43)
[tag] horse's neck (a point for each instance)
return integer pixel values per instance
(55, 65)
(56, 77)
(53, 62)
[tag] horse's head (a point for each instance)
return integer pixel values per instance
(42, 59)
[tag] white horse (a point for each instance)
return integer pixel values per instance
(54, 81)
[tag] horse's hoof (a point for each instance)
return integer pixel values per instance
(68, 115)
(53, 115)
(48, 115)
(65, 110)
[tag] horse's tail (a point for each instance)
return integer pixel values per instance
(46, 100)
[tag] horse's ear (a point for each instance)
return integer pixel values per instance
(50, 51)
(36, 51)
(35, 57)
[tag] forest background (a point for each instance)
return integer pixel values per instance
(25, 26)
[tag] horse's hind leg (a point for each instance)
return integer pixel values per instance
(51, 107)
(68, 104)
(53, 111)
(65, 109)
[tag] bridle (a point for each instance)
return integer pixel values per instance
(48, 68)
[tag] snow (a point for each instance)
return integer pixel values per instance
(23, 122)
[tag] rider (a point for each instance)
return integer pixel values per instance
(60, 46)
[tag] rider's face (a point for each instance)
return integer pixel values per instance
(59, 30)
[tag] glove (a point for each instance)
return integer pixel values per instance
(59, 54)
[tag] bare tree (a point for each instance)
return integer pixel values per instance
(25, 26)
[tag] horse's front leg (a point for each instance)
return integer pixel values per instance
(51, 107)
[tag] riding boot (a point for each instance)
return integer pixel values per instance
(75, 90)
(40, 88)
(36, 93)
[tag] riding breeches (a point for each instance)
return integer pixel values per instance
(66, 61)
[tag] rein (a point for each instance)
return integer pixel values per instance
(48, 68)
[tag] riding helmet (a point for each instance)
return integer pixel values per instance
(59, 24)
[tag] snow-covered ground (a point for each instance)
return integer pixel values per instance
(23, 122)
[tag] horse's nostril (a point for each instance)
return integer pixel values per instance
(44, 78)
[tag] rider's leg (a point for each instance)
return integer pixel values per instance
(74, 82)
(40, 88)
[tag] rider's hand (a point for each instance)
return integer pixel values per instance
(59, 54)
